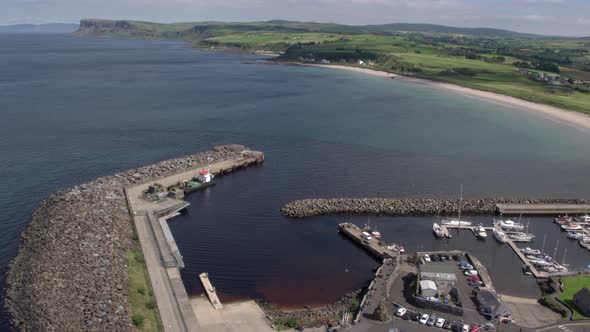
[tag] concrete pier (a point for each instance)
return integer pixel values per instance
(373, 245)
(164, 261)
(542, 209)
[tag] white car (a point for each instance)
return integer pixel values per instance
(465, 328)
(423, 319)
(400, 312)
(440, 322)
(426, 257)
(471, 273)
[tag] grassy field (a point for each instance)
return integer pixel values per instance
(143, 304)
(570, 286)
(482, 59)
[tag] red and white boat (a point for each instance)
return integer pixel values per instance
(563, 219)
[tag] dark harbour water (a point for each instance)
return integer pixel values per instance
(74, 109)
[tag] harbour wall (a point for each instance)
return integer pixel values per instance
(406, 206)
(70, 271)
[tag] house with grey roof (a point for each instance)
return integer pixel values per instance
(582, 301)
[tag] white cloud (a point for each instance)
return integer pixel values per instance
(538, 18)
(544, 1)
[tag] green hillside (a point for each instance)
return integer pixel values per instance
(544, 69)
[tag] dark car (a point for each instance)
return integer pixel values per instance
(414, 316)
(435, 258)
(456, 327)
(447, 325)
(406, 316)
(444, 258)
(456, 257)
(447, 257)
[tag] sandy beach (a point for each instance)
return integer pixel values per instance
(573, 118)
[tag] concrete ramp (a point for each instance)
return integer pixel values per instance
(210, 290)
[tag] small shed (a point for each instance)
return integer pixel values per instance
(428, 288)
(582, 301)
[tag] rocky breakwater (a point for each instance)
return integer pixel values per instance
(406, 206)
(70, 272)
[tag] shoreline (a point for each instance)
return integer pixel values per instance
(569, 117)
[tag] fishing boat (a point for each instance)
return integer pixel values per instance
(510, 225)
(576, 235)
(455, 223)
(571, 227)
(438, 231)
(500, 236)
(529, 251)
(563, 219)
(584, 218)
(202, 181)
(480, 232)
(521, 237)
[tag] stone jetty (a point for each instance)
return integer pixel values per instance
(406, 206)
(70, 272)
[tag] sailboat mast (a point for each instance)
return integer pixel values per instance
(460, 204)
(555, 253)
(564, 253)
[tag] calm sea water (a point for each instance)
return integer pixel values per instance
(74, 109)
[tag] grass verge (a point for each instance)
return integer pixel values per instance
(571, 285)
(144, 312)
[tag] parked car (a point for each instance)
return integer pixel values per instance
(400, 312)
(475, 283)
(466, 267)
(431, 320)
(440, 322)
(471, 272)
(456, 257)
(474, 329)
(456, 327)
(473, 278)
(465, 328)
(393, 330)
(415, 316)
(435, 258)
(427, 258)
(423, 319)
(406, 316)
(447, 325)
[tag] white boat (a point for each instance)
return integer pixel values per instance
(571, 227)
(438, 231)
(584, 218)
(510, 225)
(521, 237)
(576, 235)
(540, 262)
(376, 235)
(455, 222)
(500, 236)
(480, 231)
(529, 251)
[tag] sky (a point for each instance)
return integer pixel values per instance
(550, 17)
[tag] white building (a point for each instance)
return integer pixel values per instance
(428, 288)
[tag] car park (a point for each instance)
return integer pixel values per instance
(400, 312)
(440, 322)
(431, 320)
(423, 319)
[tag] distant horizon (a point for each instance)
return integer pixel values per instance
(303, 21)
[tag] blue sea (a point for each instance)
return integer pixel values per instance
(75, 108)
